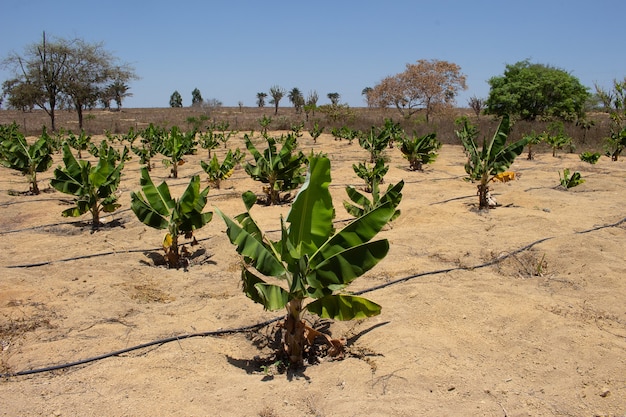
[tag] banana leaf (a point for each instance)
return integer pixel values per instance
(312, 211)
(343, 307)
(247, 245)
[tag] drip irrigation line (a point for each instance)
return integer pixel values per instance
(91, 255)
(456, 268)
(10, 203)
(213, 333)
(43, 226)
(603, 226)
(222, 332)
(257, 325)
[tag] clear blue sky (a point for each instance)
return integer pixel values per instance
(232, 49)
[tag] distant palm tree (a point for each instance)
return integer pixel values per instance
(118, 91)
(260, 99)
(367, 92)
(334, 98)
(277, 94)
(296, 98)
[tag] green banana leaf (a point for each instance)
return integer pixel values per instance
(343, 307)
(337, 271)
(190, 206)
(155, 209)
(247, 245)
(311, 215)
(355, 233)
(71, 179)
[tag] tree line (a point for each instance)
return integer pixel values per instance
(60, 73)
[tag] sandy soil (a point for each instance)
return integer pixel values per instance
(541, 332)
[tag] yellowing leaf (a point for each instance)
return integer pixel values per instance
(167, 242)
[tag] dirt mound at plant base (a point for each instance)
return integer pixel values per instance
(540, 332)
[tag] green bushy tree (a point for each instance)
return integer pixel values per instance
(530, 91)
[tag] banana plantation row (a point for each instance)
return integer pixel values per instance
(311, 260)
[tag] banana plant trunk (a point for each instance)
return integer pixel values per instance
(95, 217)
(294, 332)
(483, 190)
(34, 188)
(175, 169)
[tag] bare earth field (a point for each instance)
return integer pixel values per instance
(518, 311)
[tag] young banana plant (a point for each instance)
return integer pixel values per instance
(218, 172)
(371, 174)
(80, 142)
(93, 187)
(376, 141)
(174, 146)
(156, 208)
(308, 269)
(420, 150)
(281, 170)
(16, 153)
(316, 131)
(361, 204)
(494, 158)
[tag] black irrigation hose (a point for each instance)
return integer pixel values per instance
(270, 321)
(142, 346)
(456, 268)
(258, 325)
(91, 255)
(43, 226)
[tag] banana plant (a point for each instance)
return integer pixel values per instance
(151, 138)
(80, 142)
(156, 208)
(371, 174)
(533, 139)
(615, 144)
(316, 131)
(568, 181)
(361, 204)
(555, 137)
(107, 151)
(494, 158)
(265, 123)
(208, 140)
(174, 146)
(220, 171)
(16, 153)
(93, 187)
(394, 131)
(345, 132)
(590, 157)
(375, 142)
(420, 150)
(308, 269)
(282, 170)
(225, 133)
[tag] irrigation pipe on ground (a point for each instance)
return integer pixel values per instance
(270, 321)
